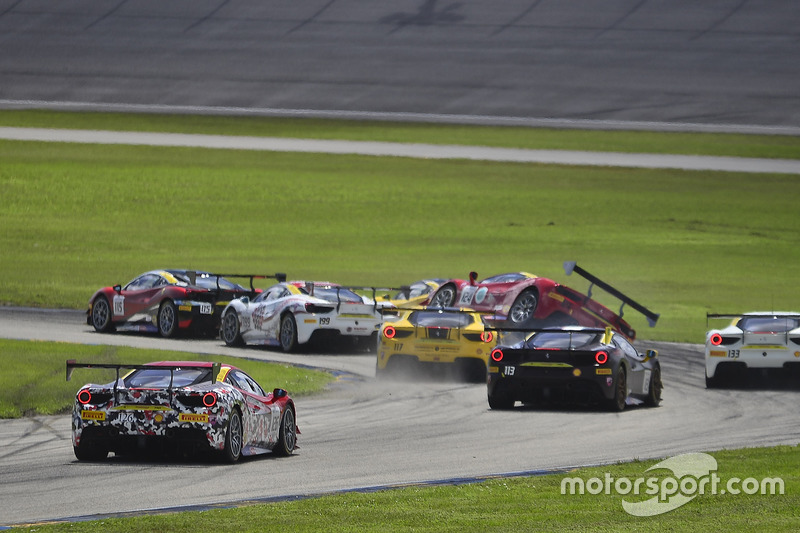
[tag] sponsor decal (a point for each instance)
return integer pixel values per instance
(603, 371)
(549, 365)
(718, 353)
(93, 415)
(192, 417)
(185, 307)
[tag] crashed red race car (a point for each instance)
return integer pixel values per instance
(520, 299)
(181, 406)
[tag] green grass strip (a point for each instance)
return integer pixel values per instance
(769, 146)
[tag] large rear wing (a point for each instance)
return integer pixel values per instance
(572, 266)
(278, 276)
(765, 314)
(374, 290)
(72, 365)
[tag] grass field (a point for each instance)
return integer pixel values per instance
(511, 505)
(75, 218)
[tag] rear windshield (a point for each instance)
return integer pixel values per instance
(436, 319)
(563, 340)
(768, 324)
(159, 378)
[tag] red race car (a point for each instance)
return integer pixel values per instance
(523, 300)
(168, 301)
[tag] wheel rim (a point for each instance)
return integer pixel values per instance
(230, 328)
(235, 439)
(523, 308)
(287, 332)
(444, 298)
(166, 319)
(100, 314)
(289, 431)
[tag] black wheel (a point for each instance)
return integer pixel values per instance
(167, 319)
(230, 330)
(288, 333)
(233, 438)
(654, 391)
(444, 297)
(287, 437)
(500, 401)
(715, 382)
(523, 308)
(617, 403)
(101, 315)
(89, 451)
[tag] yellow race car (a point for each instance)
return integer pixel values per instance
(433, 341)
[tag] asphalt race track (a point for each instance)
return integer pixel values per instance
(363, 434)
(728, 62)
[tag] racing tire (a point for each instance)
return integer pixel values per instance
(287, 335)
(715, 382)
(89, 451)
(231, 331)
(655, 388)
(287, 435)
(444, 297)
(617, 402)
(168, 319)
(523, 308)
(101, 315)
(234, 438)
(501, 402)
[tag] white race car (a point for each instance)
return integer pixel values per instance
(292, 313)
(768, 340)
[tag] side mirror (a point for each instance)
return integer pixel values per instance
(117, 288)
(279, 393)
(245, 300)
(473, 277)
(651, 354)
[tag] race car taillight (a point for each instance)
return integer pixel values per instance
(210, 399)
(601, 357)
(389, 332)
(487, 336)
(497, 355)
(84, 396)
(716, 339)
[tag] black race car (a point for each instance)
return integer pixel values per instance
(571, 363)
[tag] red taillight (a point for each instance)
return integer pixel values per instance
(601, 357)
(389, 332)
(84, 396)
(487, 336)
(497, 355)
(716, 339)
(210, 399)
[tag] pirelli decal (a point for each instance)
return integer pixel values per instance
(192, 417)
(93, 415)
(603, 371)
(718, 353)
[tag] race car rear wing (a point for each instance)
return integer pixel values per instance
(571, 266)
(280, 277)
(72, 365)
(519, 334)
(765, 314)
(374, 290)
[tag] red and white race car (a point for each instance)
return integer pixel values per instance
(521, 300)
